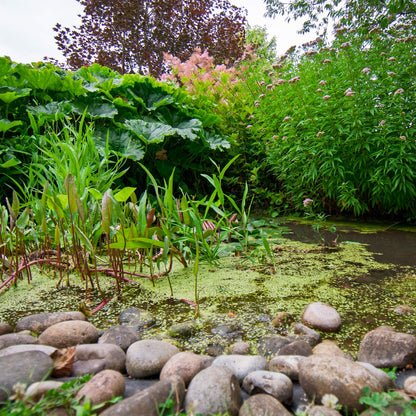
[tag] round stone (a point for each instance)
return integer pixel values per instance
(69, 333)
(321, 316)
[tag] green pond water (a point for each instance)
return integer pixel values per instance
(364, 273)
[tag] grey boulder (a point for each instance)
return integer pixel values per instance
(261, 405)
(319, 315)
(277, 385)
(147, 357)
(241, 365)
(185, 364)
(213, 390)
(7, 340)
(120, 335)
(146, 402)
(384, 347)
(93, 358)
(69, 333)
(320, 375)
(37, 323)
(22, 367)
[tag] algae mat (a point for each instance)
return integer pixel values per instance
(240, 297)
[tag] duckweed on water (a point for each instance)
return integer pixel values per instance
(346, 276)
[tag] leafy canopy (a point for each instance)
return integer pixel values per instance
(355, 14)
(130, 36)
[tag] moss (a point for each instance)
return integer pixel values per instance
(237, 292)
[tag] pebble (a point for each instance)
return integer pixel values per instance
(147, 357)
(93, 358)
(212, 391)
(5, 328)
(23, 367)
(14, 339)
(298, 347)
(102, 387)
(307, 334)
(38, 389)
(287, 368)
(120, 335)
(384, 347)
(146, 402)
(27, 347)
(277, 385)
(136, 318)
(185, 364)
(410, 385)
(69, 333)
(283, 319)
(240, 348)
(241, 365)
(263, 404)
(328, 347)
(320, 375)
(322, 411)
(37, 323)
(270, 346)
(181, 330)
(319, 315)
(287, 364)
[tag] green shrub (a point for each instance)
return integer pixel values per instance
(338, 124)
(134, 116)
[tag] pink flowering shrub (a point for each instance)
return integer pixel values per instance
(199, 74)
(233, 93)
(343, 123)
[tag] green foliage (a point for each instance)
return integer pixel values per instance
(134, 117)
(383, 402)
(63, 397)
(338, 124)
(362, 15)
(230, 94)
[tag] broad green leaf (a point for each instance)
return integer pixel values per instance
(56, 110)
(63, 200)
(95, 109)
(96, 194)
(150, 241)
(41, 78)
(142, 217)
(106, 211)
(149, 131)
(124, 194)
(73, 86)
(71, 192)
(15, 204)
(140, 242)
(58, 204)
(44, 195)
(23, 220)
(185, 209)
(57, 235)
(10, 163)
(10, 94)
(119, 141)
(7, 124)
(215, 141)
(186, 129)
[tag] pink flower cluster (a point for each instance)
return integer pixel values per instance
(199, 66)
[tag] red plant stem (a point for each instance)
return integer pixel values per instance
(16, 274)
(102, 304)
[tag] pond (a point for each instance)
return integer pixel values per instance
(367, 275)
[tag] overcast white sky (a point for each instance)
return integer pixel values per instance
(26, 33)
